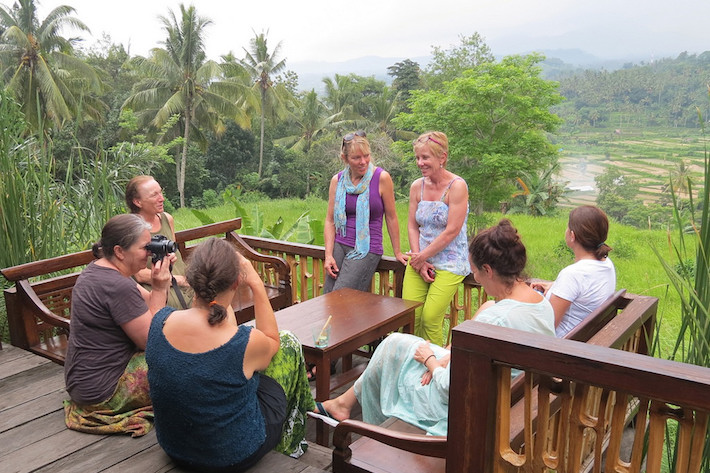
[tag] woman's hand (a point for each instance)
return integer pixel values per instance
(331, 267)
(247, 273)
(402, 257)
(427, 272)
(423, 352)
(160, 277)
(415, 260)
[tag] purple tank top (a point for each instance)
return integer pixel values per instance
(377, 210)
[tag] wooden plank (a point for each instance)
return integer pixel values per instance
(46, 451)
(155, 460)
(9, 352)
(31, 384)
(34, 431)
(32, 409)
(25, 360)
(109, 451)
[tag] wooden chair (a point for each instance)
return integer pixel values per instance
(397, 446)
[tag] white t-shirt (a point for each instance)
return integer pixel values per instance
(586, 284)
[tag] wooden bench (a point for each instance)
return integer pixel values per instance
(38, 311)
(620, 322)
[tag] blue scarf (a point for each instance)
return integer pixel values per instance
(362, 210)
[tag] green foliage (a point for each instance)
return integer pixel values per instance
(42, 216)
(407, 77)
(497, 118)
(539, 193)
(50, 84)
(616, 192)
(262, 65)
(663, 92)
(179, 80)
(449, 64)
(303, 230)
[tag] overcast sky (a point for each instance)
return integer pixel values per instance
(333, 31)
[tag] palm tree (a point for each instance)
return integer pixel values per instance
(179, 81)
(384, 109)
(311, 120)
(51, 84)
(262, 65)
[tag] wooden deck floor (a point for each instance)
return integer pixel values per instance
(33, 437)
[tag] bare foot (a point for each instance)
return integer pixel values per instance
(336, 409)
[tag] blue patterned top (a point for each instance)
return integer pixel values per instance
(432, 217)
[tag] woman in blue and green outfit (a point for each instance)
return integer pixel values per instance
(225, 394)
(438, 257)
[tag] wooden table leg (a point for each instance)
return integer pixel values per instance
(322, 394)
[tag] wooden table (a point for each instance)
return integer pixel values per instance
(359, 318)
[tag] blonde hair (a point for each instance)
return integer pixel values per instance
(358, 142)
(437, 142)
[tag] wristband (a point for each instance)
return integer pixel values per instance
(427, 359)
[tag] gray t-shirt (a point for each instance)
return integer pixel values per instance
(99, 350)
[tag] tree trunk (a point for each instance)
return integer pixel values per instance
(183, 160)
(261, 141)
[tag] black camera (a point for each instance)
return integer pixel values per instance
(160, 246)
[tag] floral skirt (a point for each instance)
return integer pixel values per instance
(128, 411)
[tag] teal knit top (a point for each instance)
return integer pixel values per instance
(206, 411)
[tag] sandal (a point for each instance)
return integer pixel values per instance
(323, 415)
(311, 372)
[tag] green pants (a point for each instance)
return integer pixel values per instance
(429, 318)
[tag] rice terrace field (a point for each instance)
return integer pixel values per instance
(649, 156)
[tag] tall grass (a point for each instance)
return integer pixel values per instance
(692, 284)
(43, 215)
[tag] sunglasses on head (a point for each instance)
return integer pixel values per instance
(351, 136)
(428, 138)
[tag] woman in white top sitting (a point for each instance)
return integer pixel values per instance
(582, 287)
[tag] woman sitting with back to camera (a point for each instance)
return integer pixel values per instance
(225, 394)
(583, 286)
(408, 377)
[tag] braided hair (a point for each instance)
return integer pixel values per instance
(212, 269)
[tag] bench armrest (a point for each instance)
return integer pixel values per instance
(428, 445)
(39, 309)
(279, 264)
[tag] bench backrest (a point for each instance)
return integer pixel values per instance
(597, 389)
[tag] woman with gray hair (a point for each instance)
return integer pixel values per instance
(105, 369)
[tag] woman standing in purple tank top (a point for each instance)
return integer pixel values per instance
(359, 196)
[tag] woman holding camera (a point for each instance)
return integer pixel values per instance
(144, 197)
(105, 369)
